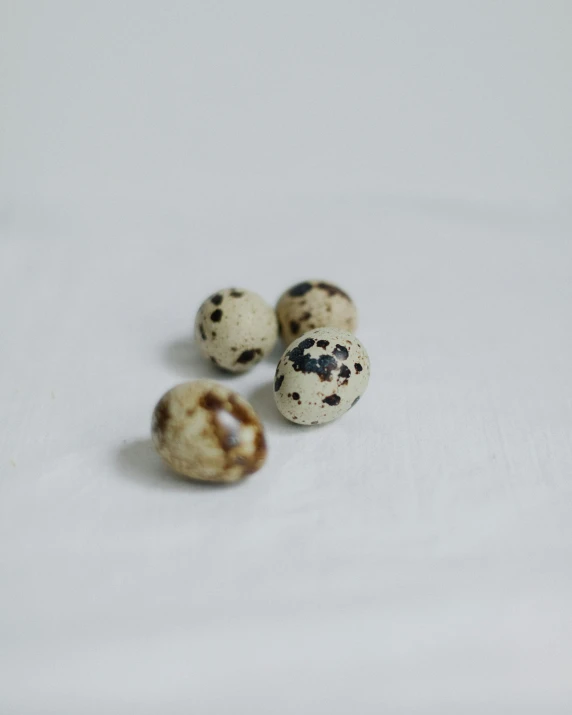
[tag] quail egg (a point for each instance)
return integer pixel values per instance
(235, 329)
(205, 431)
(314, 304)
(321, 375)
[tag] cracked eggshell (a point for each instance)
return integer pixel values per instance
(235, 329)
(321, 376)
(314, 304)
(205, 431)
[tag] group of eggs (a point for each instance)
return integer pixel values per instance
(203, 430)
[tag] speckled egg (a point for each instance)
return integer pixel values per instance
(314, 304)
(320, 376)
(235, 329)
(205, 431)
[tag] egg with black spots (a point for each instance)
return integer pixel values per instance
(314, 304)
(235, 329)
(320, 376)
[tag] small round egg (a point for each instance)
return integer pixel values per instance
(205, 431)
(321, 375)
(314, 304)
(235, 329)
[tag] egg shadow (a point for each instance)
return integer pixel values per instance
(184, 356)
(262, 399)
(139, 462)
(276, 353)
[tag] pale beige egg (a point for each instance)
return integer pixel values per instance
(235, 329)
(314, 304)
(205, 431)
(321, 376)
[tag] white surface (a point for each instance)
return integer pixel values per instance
(415, 556)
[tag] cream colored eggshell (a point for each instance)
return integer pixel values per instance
(205, 431)
(235, 329)
(321, 375)
(314, 304)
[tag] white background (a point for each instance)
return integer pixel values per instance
(415, 556)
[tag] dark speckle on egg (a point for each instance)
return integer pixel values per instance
(307, 343)
(300, 289)
(332, 290)
(341, 352)
(249, 355)
(345, 372)
(302, 361)
(332, 400)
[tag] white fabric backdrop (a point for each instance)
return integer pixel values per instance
(415, 556)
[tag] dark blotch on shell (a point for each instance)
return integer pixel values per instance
(202, 331)
(248, 356)
(301, 362)
(307, 343)
(259, 453)
(239, 411)
(340, 352)
(345, 372)
(354, 402)
(216, 315)
(211, 402)
(295, 396)
(358, 367)
(323, 343)
(236, 293)
(161, 416)
(294, 327)
(300, 289)
(278, 383)
(332, 400)
(332, 290)
(216, 299)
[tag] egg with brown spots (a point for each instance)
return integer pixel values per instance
(235, 329)
(205, 431)
(321, 375)
(314, 304)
